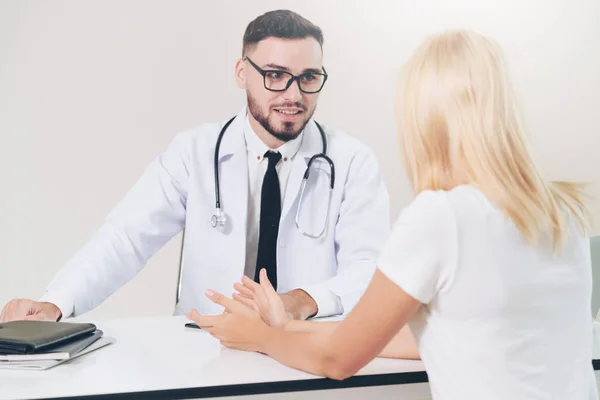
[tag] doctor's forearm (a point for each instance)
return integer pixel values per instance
(403, 345)
(299, 304)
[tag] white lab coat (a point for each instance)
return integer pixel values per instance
(176, 191)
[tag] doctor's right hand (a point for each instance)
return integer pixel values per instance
(263, 299)
(25, 309)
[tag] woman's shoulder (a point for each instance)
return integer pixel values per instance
(437, 202)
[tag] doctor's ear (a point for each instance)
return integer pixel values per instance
(240, 73)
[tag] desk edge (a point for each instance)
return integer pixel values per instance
(247, 389)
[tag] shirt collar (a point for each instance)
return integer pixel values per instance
(258, 149)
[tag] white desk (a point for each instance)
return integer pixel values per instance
(157, 358)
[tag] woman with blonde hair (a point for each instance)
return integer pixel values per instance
(489, 265)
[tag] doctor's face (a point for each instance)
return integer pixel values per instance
(282, 112)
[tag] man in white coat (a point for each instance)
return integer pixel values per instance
(321, 256)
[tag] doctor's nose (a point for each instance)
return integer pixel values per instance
(293, 93)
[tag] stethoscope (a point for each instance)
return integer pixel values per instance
(219, 219)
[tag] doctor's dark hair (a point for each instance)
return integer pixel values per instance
(283, 24)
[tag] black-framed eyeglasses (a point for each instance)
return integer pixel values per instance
(279, 81)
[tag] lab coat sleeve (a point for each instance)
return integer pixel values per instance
(362, 228)
(150, 214)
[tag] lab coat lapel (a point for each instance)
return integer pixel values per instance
(233, 172)
(311, 145)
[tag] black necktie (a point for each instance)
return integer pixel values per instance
(270, 211)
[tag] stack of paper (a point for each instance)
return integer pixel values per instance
(33, 345)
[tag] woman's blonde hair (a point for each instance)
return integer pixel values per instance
(459, 124)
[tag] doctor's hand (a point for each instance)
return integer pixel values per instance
(263, 299)
(240, 327)
(25, 309)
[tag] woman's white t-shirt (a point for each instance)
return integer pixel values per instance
(500, 319)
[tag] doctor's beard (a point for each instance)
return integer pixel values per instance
(285, 134)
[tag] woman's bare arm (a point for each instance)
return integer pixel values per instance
(402, 345)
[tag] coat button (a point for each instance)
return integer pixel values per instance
(281, 243)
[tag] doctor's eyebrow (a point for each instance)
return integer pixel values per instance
(286, 69)
(312, 70)
(277, 66)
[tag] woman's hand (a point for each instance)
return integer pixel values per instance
(239, 327)
(263, 299)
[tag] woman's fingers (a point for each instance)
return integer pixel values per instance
(247, 302)
(257, 291)
(244, 290)
(250, 284)
(265, 282)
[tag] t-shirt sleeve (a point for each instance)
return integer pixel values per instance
(420, 254)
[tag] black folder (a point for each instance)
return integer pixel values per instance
(28, 337)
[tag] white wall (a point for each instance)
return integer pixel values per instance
(91, 91)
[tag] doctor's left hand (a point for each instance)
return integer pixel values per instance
(240, 327)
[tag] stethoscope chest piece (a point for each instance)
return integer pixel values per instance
(218, 220)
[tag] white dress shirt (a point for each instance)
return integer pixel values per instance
(257, 166)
